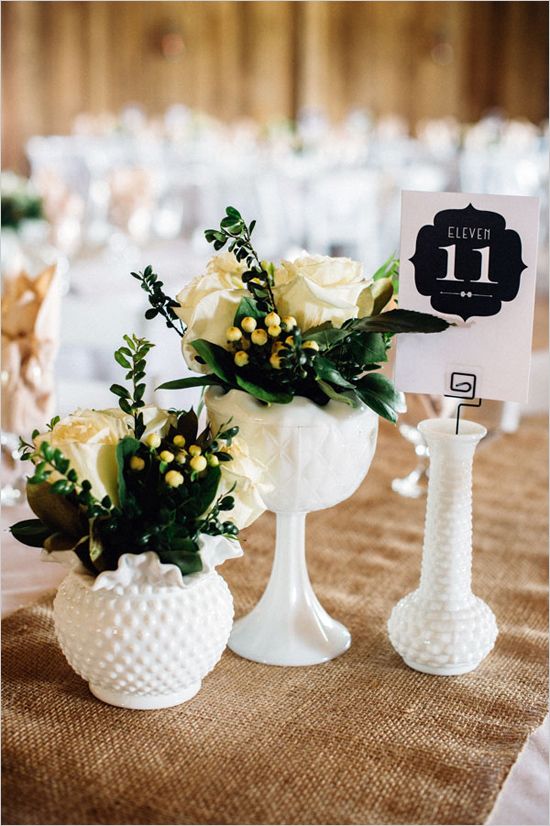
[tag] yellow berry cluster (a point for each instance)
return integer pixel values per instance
(271, 339)
(175, 454)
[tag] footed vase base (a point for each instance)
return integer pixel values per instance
(443, 670)
(253, 641)
(144, 702)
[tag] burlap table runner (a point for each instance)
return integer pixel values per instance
(361, 739)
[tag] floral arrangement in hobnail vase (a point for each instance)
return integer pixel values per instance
(294, 352)
(142, 507)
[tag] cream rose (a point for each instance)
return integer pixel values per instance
(208, 305)
(88, 439)
(250, 479)
(317, 288)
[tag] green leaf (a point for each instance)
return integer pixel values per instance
(61, 486)
(374, 298)
(55, 511)
(188, 426)
(122, 360)
(119, 390)
(247, 307)
(95, 543)
(189, 562)
(208, 488)
(217, 359)
(326, 335)
(125, 448)
(261, 393)
(367, 348)
(326, 370)
(379, 394)
(349, 397)
(401, 321)
(60, 542)
(192, 381)
(387, 269)
(31, 532)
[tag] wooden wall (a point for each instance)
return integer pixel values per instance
(266, 59)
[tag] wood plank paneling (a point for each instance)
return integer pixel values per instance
(268, 59)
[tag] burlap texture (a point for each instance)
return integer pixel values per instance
(361, 739)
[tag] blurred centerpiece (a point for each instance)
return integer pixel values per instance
(30, 340)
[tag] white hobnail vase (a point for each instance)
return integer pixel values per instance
(144, 636)
(442, 628)
(314, 457)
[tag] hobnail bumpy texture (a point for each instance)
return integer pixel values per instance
(425, 633)
(148, 640)
(442, 627)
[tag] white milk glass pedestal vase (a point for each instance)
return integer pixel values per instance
(442, 628)
(314, 457)
(144, 636)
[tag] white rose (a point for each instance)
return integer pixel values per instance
(250, 479)
(88, 439)
(208, 305)
(156, 420)
(317, 288)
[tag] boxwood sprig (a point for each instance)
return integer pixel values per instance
(133, 357)
(161, 304)
(259, 276)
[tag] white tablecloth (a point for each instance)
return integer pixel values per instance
(524, 797)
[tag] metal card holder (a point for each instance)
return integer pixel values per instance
(464, 385)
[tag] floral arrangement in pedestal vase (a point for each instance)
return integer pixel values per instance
(142, 507)
(313, 327)
(293, 352)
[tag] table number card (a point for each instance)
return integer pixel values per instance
(472, 260)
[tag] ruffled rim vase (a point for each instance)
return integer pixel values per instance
(314, 457)
(144, 636)
(442, 628)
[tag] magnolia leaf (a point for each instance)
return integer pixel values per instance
(365, 302)
(191, 381)
(367, 349)
(218, 359)
(207, 490)
(95, 545)
(326, 335)
(269, 396)
(349, 397)
(55, 510)
(188, 426)
(382, 291)
(189, 562)
(401, 321)
(82, 550)
(327, 371)
(381, 396)
(125, 447)
(60, 542)
(31, 532)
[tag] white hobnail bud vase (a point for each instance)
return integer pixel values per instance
(443, 628)
(144, 636)
(314, 457)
